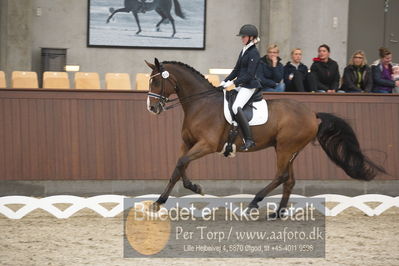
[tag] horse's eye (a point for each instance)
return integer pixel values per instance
(155, 82)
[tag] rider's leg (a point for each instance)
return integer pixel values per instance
(243, 96)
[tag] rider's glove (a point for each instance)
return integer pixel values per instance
(228, 83)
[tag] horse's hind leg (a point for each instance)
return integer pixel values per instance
(197, 151)
(157, 26)
(282, 175)
(166, 16)
(126, 10)
(287, 189)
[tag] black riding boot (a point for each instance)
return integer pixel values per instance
(246, 131)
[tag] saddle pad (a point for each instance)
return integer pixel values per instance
(260, 112)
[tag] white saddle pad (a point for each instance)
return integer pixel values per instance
(260, 112)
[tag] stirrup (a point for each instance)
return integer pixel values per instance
(249, 143)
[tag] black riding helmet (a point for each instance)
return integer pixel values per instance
(248, 30)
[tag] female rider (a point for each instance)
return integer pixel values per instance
(243, 77)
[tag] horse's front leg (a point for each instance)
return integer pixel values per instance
(126, 10)
(137, 21)
(197, 151)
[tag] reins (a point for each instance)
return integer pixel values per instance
(165, 76)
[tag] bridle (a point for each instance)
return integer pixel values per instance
(164, 100)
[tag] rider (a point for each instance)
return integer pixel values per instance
(246, 84)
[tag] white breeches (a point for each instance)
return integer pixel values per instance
(243, 96)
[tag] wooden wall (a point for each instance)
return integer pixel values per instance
(70, 134)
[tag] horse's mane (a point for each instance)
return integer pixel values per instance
(189, 68)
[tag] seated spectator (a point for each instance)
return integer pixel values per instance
(395, 77)
(382, 73)
(324, 71)
(270, 71)
(296, 74)
(357, 74)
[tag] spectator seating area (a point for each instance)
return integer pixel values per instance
(24, 79)
(82, 80)
(2, 80)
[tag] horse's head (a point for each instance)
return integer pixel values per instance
(162, 85)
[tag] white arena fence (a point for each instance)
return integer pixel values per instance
(94, 203)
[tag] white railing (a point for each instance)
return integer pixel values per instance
(94, 203)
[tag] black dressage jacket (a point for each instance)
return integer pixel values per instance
(245, 69)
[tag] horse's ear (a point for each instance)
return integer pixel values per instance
(157, 64)
(150, 65)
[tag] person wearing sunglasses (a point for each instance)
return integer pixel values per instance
(357, 74)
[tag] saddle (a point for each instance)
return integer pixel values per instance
(249, 107)
(255, 110)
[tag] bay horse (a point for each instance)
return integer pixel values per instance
(290, 127)
(162, 7)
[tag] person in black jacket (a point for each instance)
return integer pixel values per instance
(270, 71)
(357, 74)
(324, 71)
(296, 77)
(245, 82)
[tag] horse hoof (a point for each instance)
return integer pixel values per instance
(137, 33)
(252, 207)
(200, 190)
(272, 216)
(155, 207)
(276, 215)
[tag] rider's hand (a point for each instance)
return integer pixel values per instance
(228, 83)
(222, 83)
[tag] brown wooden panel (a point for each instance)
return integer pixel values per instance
(68, 134)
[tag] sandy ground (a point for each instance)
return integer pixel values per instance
(87, 239)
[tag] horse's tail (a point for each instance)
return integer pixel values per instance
(339, 141)
(178, 10)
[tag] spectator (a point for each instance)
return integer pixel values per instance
(270, 71)
(382, 73)
(357, 74)
(324, 71)
(395, 77)
(295, 73)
